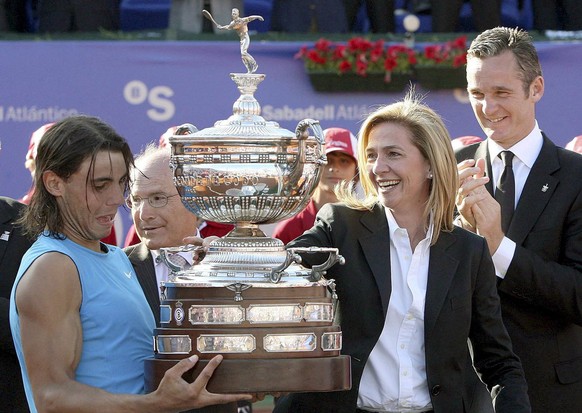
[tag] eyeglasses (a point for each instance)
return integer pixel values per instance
(155, 200)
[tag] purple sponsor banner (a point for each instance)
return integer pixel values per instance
(142, 88)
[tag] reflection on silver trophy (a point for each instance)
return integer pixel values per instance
(249, 298)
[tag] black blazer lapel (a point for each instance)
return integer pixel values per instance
(483, 153)
(537, 192)
(143, 264)
(441, 270)
(376, 247)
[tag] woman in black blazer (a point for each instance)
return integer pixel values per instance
(414, 287)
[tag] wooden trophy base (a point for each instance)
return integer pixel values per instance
(263, 375)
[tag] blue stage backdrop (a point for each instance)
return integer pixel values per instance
(142, 88)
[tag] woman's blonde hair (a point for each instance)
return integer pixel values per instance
(432, 139)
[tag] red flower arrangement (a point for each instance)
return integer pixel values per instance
(394, 65)
(362, 56)
(450, 54)
(359, 55)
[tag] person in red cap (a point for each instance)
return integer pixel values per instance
(575, 144)
(462, 141)
(30, 164)
(340, 148)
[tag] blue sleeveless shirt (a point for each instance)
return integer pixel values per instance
(116, 319)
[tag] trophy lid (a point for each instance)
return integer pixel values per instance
(246, 121)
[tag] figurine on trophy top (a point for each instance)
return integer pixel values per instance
(240, 24)
(246, 83)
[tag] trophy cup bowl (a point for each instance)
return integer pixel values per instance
(249, 298)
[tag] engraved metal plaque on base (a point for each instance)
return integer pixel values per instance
(250, 299)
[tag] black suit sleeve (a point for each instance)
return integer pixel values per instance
(493, 359)
(546, 269)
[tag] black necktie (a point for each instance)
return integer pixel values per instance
(505, 191)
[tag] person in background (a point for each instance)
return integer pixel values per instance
(86, 354)
(414, 288)
(13, 245)
(15, 15)
(445, 14)
(29, 161)
(30, 164)
(464, 141)
(186, 15)
(557, 15)
(340, 149)
(4, 26)
(380, 14)
(61, 16)
(575, 144)
(309, 16)
(519, 191)
(205, 228)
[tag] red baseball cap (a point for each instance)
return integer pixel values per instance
(35, 140)
(465, 141)
(165, 138)
(575, 144)
(338, 139)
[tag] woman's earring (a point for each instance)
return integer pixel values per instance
(429, 176)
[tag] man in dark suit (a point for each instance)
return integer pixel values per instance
(161, 220)
(13, 245)
(536, 238)
(414, 288)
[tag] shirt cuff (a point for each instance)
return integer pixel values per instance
(503, 256)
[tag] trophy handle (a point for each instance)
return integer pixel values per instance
(302, 126)
(178, 148)
(184, 248)
(278, 271)
(301, 134)
(186, 129)
(164, 258)
(318, 271)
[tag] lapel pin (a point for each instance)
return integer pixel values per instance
(545, 188)
(5, 236)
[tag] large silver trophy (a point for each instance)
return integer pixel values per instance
(250, 299)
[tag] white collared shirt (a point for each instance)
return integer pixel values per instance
(526, 152)
(394, 377)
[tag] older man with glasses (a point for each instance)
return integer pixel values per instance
(161, 220)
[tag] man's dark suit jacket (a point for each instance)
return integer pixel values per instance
(143, 264)
(541, 294)
(461, 302)
(13, 245)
